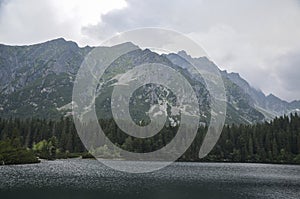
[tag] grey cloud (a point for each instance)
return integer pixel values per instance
(248, 37)
(2, 3)
(287, 71)
(29, 22)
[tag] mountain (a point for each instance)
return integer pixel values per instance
(37, 81)
(271, 106)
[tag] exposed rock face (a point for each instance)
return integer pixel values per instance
(37, 81)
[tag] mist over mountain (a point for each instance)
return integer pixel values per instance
(37, 81)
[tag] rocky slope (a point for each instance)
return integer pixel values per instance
(37, 81)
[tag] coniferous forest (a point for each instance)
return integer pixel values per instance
(278, 141)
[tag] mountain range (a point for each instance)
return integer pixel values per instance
(37, 81)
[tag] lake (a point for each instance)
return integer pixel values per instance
(77, 178)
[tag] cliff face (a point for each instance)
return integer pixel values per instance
(37, 81)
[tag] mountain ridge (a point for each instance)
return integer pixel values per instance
(39, 78)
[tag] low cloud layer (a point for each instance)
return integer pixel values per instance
(32, 21)
(258, 39)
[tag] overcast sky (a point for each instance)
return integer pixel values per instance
(259, 39)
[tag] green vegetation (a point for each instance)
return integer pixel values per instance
(277, 141)
(10, 153)
(24, 141)
(105, 152)
(102, 152)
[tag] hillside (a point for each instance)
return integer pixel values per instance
(37, 81)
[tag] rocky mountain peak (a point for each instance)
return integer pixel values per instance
(37, 80)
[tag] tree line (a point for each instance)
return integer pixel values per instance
(277, 141)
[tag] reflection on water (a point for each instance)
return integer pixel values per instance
(78, 178)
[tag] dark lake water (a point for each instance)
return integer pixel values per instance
(76, 178)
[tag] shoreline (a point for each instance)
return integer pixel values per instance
(119, 159)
